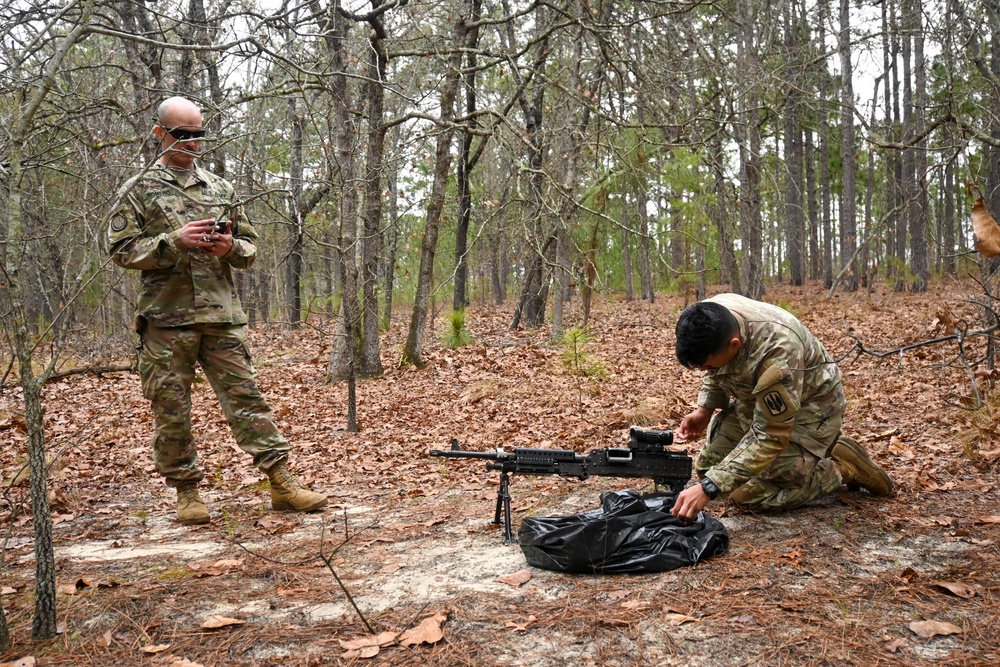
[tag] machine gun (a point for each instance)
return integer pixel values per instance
(644, 458)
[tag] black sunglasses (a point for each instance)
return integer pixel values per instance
(180, 134)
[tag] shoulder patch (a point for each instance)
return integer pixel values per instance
(118, 222)
(776, 403)
(773, 374)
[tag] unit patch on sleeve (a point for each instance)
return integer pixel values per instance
(774, 400)
(118, 222)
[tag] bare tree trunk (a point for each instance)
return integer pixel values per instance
(948, 222)
(293, 265)
(534, 292)
(413, 348)
(497, 282)
(461, 298)
(729, 273)
(794, 177)
(627, 254)
(342, 365)
(371, 362)
(824, 150)
(918, 222)
(562, 281)
(645, 265)
(390, 239)
(812, 207)
(589, 274)
(906, 183)
(848, 196)
(749, 141)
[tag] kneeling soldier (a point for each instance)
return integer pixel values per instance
(776, 442)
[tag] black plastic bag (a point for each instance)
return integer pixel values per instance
(629, 533)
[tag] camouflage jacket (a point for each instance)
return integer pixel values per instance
(180, 286)
(782, 379)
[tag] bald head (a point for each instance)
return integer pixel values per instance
(178, 129)
(178, 111)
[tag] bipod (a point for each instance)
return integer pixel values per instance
(503, 504)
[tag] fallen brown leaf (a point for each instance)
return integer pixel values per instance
(27, 661)
(429, 631)
(516, 579)
(636, 605)
(363, 652)
(381, 639)
(894, 645)
(927, 629)
(155, 648)
(215, 622)
(521, 627)
(959, 589)
(679, 619)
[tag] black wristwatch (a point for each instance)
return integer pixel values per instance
(709, 487)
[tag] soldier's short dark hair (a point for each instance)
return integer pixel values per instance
(703, 329)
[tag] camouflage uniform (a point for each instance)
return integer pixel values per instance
(189, 312)
(770, 444)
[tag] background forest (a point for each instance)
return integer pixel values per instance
(428, 154)
(421, 152)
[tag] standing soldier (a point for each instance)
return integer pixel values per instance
(181, 227)
(778, 444)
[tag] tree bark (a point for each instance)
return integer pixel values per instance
(627, 254)
(460, 298)
(824, 150)
(919, 266)
(371, 362)
(294, 263)
(848, 197)
(413, 348)
(794, 176)
(749, 141)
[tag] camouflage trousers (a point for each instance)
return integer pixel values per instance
(167, 359)
(797, 476)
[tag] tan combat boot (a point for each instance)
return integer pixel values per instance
(190, 509)
(857, 469)
(288, 494)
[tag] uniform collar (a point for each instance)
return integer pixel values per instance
(182, 178)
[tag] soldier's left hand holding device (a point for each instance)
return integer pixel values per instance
(213, 237)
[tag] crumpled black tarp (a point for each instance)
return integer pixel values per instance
(629, 533)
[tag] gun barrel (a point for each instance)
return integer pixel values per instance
(466, 454)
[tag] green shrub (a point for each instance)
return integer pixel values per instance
(456, 335)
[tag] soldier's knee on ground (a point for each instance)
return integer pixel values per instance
(742, 495)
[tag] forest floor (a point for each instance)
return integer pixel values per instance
(850, 580)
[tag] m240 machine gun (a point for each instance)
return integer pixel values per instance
(646, 457)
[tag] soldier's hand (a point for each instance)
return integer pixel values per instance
(198, 234)
(221, 242)
(694, 424)
(689, 502)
